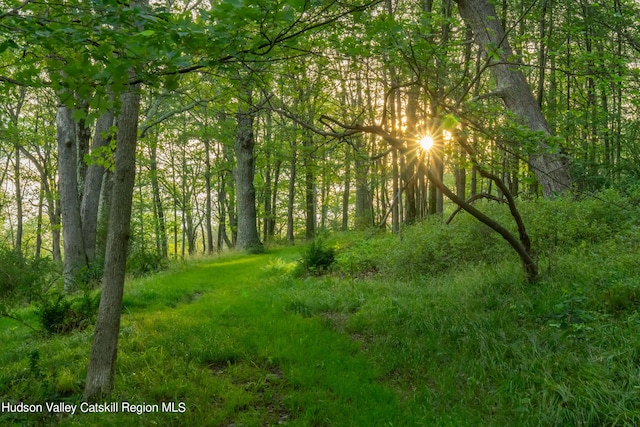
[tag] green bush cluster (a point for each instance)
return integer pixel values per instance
(317, 257)
(60, 313)
(433, 247)
(429, 248)
(565, 223)
(23, 279)
(38, 281)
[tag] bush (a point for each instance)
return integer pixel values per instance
(22, 279)
(432, 247)
(317, 257)
(428, 248)
(59, 313)
(143, 263)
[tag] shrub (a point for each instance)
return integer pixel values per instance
(143, 263)
(91, 275)
(428, 248)
(23, 279)
(317, 257)
(60, 313)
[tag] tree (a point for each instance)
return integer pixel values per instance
(513, 89)
(75, 257)
(244, 173)
(101, 370)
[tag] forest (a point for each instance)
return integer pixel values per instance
(320, 212)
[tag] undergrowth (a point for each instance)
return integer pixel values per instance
(436, 327)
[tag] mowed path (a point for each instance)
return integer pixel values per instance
(217, 337)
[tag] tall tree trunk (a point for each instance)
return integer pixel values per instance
(53, 209)
(309, 188)
(93, 186)
(104, 212)
(102, 360)
(38, 250)
(347, 188)
(83, 136)
(74, 252)
(223, 237)
(18, 188)
(161, 224)
(364, 203)
(480, 15)
(14, 115)
(291, 195)
(208, 208)
(248, 237)
(271, 230)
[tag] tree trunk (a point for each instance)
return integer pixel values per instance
(347, 188)
(363, 214)
(102, 360)
(83, 136)
(292, 195)
(104, 212)
(74, 252)
(18, 186)
(248, 237)
(92, 188)
(208, 208)
(309, 188)
(223, 238)
(271, 229)
(158, 209)
(480, 15)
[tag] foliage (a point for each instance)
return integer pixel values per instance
(428, 248)
(23, 279)
(433, 248)
(141, 263)
(91, 275)
(59, 313)
(317, 258)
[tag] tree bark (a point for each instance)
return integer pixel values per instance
(309, 187)
(208, 208)
(18, 186)
(480, 15)
(158, 209)
(102, 360)
(93, 186)
(74, 252)
(291, 195)
(346, 193)
(248, 237)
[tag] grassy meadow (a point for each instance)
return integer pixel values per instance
(437, 327)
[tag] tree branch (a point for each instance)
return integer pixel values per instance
(471, 200)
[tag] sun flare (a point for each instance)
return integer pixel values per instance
(426, 142)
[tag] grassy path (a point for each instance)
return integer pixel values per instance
(217, 338)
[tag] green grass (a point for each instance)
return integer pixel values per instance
(214, 337)
(242, 340)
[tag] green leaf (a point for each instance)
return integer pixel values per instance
(79, 114)
(8, 44)
(171, 82)
(146, 33)
(449, 121)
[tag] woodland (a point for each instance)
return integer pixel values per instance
(267, 212)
